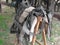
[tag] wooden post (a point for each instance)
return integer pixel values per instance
(44, 36)
(39, 19)
(0, 7)
(38, 42)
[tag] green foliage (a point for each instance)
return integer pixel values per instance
(1, 41)
(4, 20)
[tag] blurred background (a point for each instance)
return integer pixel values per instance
(7, 14)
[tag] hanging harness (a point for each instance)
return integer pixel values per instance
(25, 18)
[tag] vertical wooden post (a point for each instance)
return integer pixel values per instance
(39, 19)
(44, 36)
(0, 7)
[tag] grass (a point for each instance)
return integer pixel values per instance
(6, 18)
(56, 27)
(1, 42)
